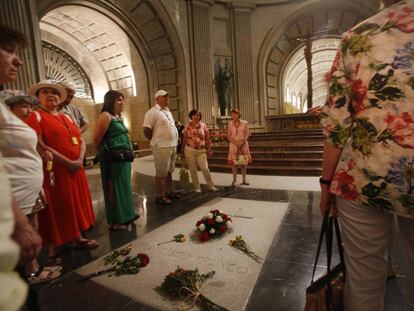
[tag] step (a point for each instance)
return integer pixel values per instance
(269, 147)
(275, 154)
(276, 170)
(275, 162)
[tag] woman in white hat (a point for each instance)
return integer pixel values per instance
(70, 206)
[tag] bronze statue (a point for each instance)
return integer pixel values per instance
(224, 86)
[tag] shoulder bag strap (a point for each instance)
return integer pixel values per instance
(318, 250)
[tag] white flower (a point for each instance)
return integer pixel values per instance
(212, 231)
(201, 227)
(210, 215)
(228, 223)
(219, 219)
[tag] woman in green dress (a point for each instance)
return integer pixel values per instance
(111, 133)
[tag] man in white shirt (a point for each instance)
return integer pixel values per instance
(160, 129)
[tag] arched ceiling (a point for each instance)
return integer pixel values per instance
(151, 31)
(295, 73)
(323, 18)
(106, 45)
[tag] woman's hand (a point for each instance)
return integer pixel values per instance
(328, 202)
(74, 166)
(209, 153)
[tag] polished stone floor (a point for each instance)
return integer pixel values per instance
(281, 284)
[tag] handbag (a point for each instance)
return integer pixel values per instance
(326, 293)
(116, 155)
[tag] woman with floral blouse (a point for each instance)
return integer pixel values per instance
(197, 147)
(368, 166)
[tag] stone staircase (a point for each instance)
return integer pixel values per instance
(287, 153)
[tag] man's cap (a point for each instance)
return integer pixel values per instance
(68, 85)
(49, 84)
(11, 97)
(160, 93)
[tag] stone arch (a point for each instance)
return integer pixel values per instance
(153, 34)
(280, 42)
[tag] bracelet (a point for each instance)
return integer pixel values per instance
(324, 181)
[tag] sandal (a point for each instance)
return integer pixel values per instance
(87, 243)
(118, 227)
(245, 183)
(163, 201)
(174, 195)
(53, 261)
(44, 274)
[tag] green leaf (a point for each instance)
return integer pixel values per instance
(380, 203)
(370, 176)
(340, 102)
(378, 81)
(365, 27)
(371, 191)
(378, 67)
(364, 137)
(389, 93)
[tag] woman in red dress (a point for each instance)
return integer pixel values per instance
(69, 208)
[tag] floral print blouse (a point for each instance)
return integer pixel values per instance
(196, 135)
(370, 111)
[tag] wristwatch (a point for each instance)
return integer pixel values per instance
(324, 181)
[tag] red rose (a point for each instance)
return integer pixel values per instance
(143, 259)
(215, 211)
(210, 221)
(402, 129)
(204, 236)
(223, 228)
(359, 92)
(402, 19)
(225, 217)
(343, 185)
(198, 223)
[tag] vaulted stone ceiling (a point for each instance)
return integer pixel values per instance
(98, 44)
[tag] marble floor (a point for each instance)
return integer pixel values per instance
(284, 276)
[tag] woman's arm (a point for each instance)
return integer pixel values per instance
(101, 127)
(229, 136)
(331, 155)
(82, 149)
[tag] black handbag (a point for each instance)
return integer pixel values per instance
(326, 293)
(116, 155)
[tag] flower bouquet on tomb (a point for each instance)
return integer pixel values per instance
(121, 263)
(214, 224)
(241, 245)
(186, 285)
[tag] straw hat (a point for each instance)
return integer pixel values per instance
(48, 84)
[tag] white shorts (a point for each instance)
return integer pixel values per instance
(164, 159)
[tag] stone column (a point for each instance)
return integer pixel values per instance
(201, 57)
(243, 64)
(22, 16)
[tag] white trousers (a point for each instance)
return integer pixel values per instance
(198, 157)
(366, 233)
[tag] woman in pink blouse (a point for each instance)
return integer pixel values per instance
(239, 153)
(197, 148)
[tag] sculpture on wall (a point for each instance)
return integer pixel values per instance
(223, 80)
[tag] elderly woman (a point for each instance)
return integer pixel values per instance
(368, 160)
(111, 133)
(24, 166)
(67, 191)
(197, 148)
(239, 152)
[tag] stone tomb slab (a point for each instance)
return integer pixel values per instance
(236, 273)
